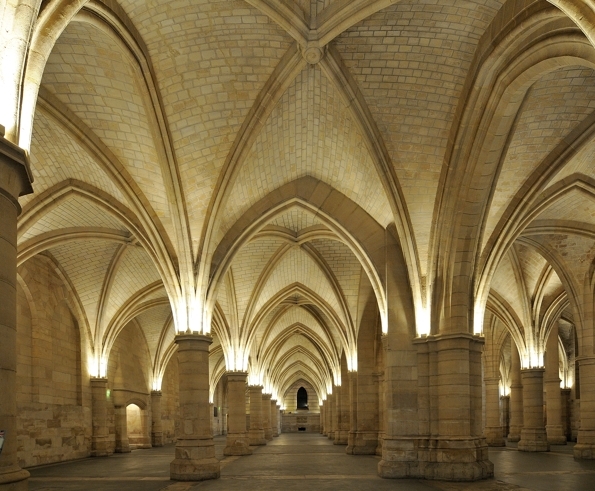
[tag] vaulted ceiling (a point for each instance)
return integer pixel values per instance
(172, 142)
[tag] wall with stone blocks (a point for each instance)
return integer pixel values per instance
(290, 423)
(54, 419)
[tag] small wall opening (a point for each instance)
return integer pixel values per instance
(134, 425)
(302, 400)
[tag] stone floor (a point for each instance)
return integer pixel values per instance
(294, 461)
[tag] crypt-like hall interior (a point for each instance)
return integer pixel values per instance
(370, 219)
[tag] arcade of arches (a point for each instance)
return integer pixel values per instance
(208, 205)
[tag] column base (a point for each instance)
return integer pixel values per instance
(341, 437)
(100, 447)
(514, 433)
(494, 436)
(436, 459)
(555, 435)
(362, 443)
(122, 448)
(268, 434)
(256, 437)
(14, 479)
(380, 440)
(157, 439)
(195, 461)
(533, 440)
(330, 435)
(237, 444)
(584, 451)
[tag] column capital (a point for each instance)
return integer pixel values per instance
(98, 381)
(15, 175)
(187, 341)
(156, 393)
(266, 396)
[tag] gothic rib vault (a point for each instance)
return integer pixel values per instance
(354, 194)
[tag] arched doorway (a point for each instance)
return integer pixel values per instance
(302, 399)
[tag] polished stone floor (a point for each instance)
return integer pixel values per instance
(296, 461)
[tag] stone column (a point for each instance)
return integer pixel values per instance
(342, 404)
(195, 450)
(585, 443)
(121, 423)
(565, 394)
(266, 417)
(274, 418)
(554, 429)
(156, 423)
(279, 419)
(99, 435)
(381, 409)
(237, 440)
(516, 395)
(533, 435)
(351, 437)
(322, 421)
(14, 182)
(493, 429)
(256, 433)
(331, 414)
(505, 404)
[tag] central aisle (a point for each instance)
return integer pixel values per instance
(299, 461)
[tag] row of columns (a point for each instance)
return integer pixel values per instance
(527, 426)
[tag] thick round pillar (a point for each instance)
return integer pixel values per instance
(351, 437)
(553, 396)
(195, 450)
(100, 434)
(516, 396)
(121, 424)
(14, 182)
(493, 428)
(279, 419)
(585, 443)
(256, 432)
(156, 423)
(322, 420)
(266, 417)
(274, 418)
(505, 405)
(533, 434)
(237, 440)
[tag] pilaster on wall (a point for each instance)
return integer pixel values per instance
(433, 420)
(100, 434)
(15, 181)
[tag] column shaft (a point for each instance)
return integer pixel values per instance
(554, 429)
(99, 435)
(331, 415)
(14, 182)
(351, 437)
(237, 440)
(121, 423)
(266, 417)
(256, 433)
(533, 434)
(493, 428)
(585, 443)
(156, 423)
(195, 450)
(274, 418)
(516, 395)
